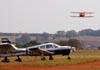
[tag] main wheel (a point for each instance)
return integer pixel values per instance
(69, 58)
(50, 57)
(5, 60)
(43, 58)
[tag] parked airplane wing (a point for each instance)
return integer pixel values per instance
(37, 51)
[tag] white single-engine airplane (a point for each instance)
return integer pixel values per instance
(48, 49)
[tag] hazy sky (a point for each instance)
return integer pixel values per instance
(37, 16)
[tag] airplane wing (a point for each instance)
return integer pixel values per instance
(37, 51)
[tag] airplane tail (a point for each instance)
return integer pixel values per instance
(8, 47)
(8, 43)
(5, 40)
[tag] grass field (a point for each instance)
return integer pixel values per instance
(79, 56)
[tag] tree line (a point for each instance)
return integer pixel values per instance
(71, 33)
(85, 32)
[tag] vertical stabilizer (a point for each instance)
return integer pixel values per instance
(5, 40)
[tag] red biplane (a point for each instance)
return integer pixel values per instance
(82, 14)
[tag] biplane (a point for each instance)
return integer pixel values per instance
(82, 14)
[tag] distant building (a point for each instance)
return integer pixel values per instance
(25, 38)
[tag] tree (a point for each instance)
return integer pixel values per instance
(25, 38)
(19, 45)
(74, 42)
(62, 43)
(31, 43)
(71, 33)
(87, 32)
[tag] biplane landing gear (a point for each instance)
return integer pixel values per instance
(18, 59)
(50, 57)
(5, 59)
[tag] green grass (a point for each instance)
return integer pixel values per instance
(79, 56)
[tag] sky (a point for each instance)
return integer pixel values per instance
(38, 16)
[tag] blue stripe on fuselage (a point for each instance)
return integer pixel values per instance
(61, 51)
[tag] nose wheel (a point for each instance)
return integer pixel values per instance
(69, 58)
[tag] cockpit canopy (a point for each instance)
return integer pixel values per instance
(48, 46)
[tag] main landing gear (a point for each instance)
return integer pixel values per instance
(5, 59)
(18, 59)
(50, 57)
(69, 58)
(43, 57)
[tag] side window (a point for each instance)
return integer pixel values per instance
(49, 46)
(42, 47)
(55, 46)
